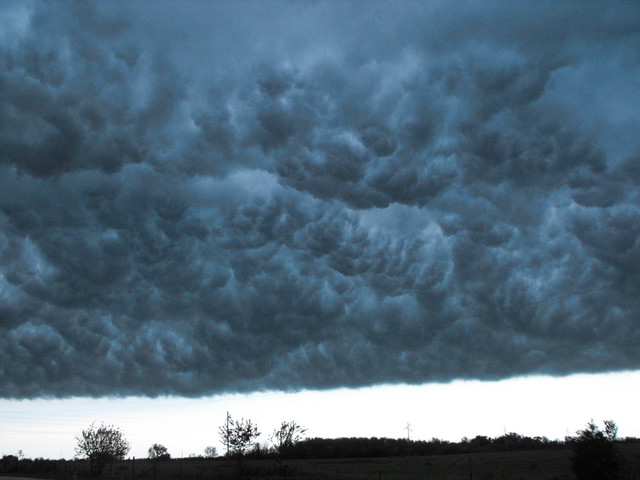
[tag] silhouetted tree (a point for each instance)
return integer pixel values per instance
(225, 432)
(9, 463)
(243, 436)
(286, 436)
(595, 456)
(158, 452)
(238, 436)
(210, 452)
(101, 445)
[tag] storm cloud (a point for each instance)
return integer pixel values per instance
(219, 197)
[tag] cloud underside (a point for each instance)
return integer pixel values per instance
(206, 198)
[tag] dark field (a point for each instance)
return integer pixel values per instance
(538, 464)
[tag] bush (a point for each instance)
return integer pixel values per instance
(595, 456)
(158, 452)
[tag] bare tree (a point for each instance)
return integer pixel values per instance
(243, 436)
(225, 432)
(611, 430)
(102, 445)
(238, 435)
(286, 436)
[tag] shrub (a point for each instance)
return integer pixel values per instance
(595, 456)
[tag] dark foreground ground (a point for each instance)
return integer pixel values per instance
(539, 464)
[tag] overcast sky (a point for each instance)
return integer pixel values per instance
(205, 198)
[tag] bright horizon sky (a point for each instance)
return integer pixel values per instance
(533, 406)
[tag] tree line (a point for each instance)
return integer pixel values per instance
(594, 450)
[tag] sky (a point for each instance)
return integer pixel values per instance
(246, 200)
(532, 406)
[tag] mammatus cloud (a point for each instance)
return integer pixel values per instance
(212, 198)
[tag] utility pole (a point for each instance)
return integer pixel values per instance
(227, 431)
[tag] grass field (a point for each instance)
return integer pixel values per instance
(546, 464)
(525, 465)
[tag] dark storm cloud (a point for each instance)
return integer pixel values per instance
(309, 195)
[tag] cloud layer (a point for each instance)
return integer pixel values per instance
(206, 197)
